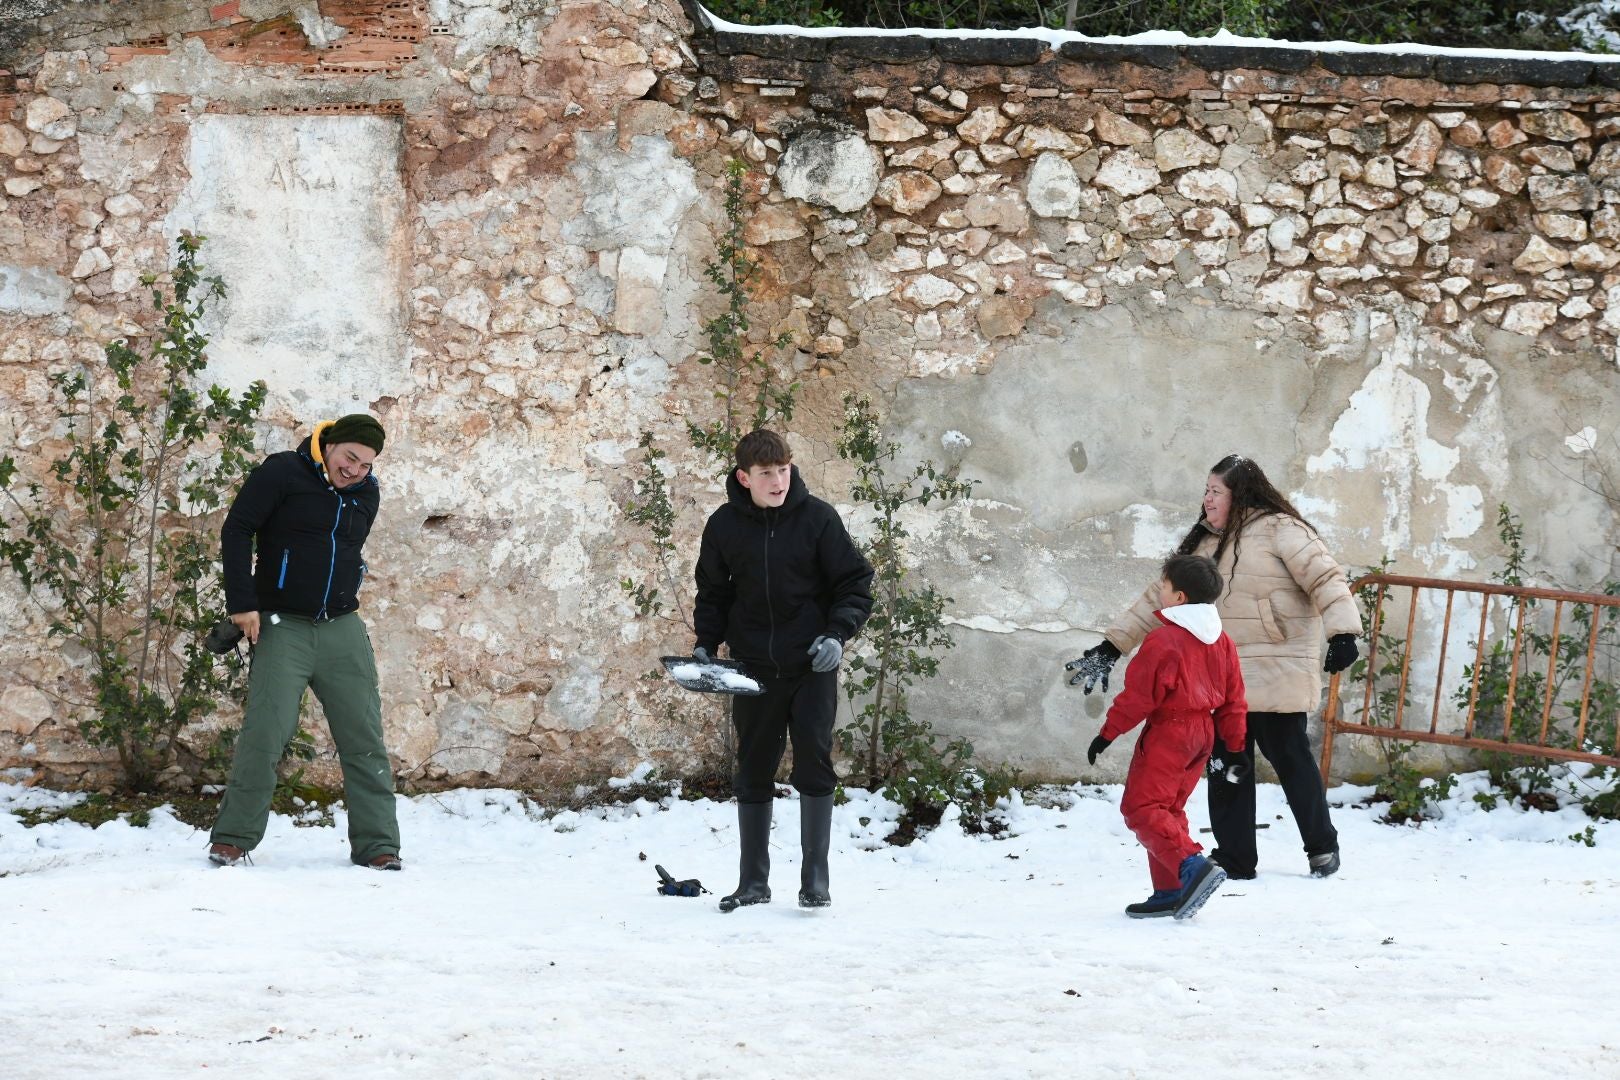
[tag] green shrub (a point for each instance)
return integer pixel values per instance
(120, 552)
(902, 754)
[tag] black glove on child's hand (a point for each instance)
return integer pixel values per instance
(1093, 666)
(701, 655)
(1230, 765)
(1341, 653)
(1098, 745)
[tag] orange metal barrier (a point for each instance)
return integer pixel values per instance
(1384, 708)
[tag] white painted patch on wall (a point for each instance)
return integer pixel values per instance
(1483, 439)
(1152, 535)
(33, 290)
(1465, 510)
(1583, 441)
(1472, 374)
(304, 220)
(1315, 509)
(1385, 429)
(1424, 676)
(1435, 461)
(992, 625)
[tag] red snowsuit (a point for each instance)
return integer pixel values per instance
(1175, 682)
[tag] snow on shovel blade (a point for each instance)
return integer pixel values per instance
(715, 677)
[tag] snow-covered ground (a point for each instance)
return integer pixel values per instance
(518, 944)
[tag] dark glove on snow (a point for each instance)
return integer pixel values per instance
(1093, 666)
(1230, 765)
(701, 655)
(668, 886)
(1342, 652)
(826, 653)
(1098, 745)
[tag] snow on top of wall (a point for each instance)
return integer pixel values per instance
(1055, 38)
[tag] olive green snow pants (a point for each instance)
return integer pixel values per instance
(334, 659)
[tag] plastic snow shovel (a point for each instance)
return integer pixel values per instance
(714, 677)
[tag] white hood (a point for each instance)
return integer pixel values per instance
(1200, 620)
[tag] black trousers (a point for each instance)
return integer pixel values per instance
(800, 707)
(1282, 739)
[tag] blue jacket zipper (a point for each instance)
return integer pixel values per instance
(281, 579)
(331, 568)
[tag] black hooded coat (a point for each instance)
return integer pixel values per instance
(770, 580)
(306, 535)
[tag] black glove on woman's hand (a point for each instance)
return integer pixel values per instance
(1093, 666)
(1230, 765)
(1098, 745)
(1342, 652)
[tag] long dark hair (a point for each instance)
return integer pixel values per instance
(1253, 497)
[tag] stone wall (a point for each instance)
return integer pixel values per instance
(1084, 273)
(1389, 278)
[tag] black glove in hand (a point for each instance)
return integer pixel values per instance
(1098, 745)
(1341, 653)
(1230, 765)
(826, 653)
(701, 655)
(1093, 666)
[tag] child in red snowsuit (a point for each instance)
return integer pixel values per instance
(1184, 681)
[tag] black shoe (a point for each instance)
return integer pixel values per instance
(1200, 877)
(1163, 902)
(754, 864)
(815, 835)
(1234, 873)
(1325, 864)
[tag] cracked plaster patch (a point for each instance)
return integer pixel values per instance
(1385, 429)
(323, 321)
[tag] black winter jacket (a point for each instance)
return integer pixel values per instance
(772, 580)
(308, 537)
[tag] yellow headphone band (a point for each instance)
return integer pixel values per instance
(315, 442)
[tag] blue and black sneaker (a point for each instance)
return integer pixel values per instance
(1162, 902)
(1199, 879)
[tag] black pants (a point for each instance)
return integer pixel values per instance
(801, 707)
(1281, 738)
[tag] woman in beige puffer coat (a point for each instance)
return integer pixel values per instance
(1284, 594)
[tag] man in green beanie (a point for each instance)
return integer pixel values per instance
(293, 568)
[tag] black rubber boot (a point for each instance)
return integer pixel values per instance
(815, 834)
(754, 866)
(1325, 864)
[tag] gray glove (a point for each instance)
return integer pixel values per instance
(701, 655)
(826, 653)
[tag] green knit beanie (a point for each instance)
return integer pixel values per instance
(356, 428)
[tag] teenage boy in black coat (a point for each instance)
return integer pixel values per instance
(782, 584)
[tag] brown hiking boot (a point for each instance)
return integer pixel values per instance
(386, 862)
(227, 855)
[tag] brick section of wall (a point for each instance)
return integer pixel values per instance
(380, 36)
